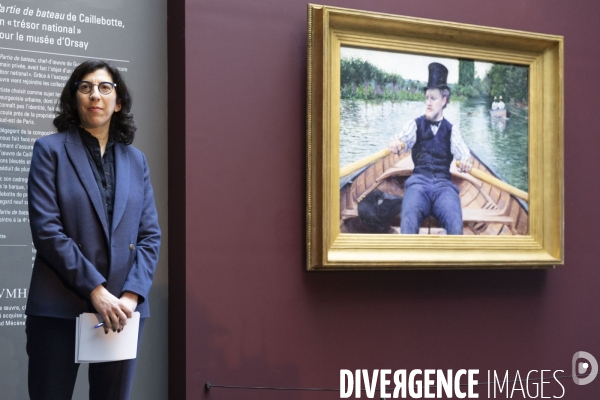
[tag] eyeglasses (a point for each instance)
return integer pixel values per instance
(86, 87)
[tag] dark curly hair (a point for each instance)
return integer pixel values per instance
(122, 127)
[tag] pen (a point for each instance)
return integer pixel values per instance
(98, 325)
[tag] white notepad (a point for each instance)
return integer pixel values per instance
(93, 345)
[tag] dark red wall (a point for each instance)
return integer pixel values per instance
(244, 311)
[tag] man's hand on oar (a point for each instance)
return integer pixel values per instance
(486, 177)
(396, 146)
(465, 165)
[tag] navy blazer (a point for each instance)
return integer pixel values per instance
(75, 252)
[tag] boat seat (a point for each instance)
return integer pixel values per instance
(349, 213)
(432, 231)
(468, 214)
(483, 215)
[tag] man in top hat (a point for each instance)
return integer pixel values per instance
(501, 105)
(495, 103)
(434, 143)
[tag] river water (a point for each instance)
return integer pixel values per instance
(367, 127)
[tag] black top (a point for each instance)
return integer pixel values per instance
(103, 168)
(432, 154)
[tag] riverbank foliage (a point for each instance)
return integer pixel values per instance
(509, 81)
(361, 80)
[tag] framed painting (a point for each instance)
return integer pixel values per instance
(432, 144)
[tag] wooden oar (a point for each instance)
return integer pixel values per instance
(492, 180)
(355, 166)
(482, 176)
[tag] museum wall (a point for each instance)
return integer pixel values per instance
(243, 310)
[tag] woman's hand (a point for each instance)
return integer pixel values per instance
(113, 311)
(130, 300)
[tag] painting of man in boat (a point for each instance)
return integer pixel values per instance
(421, 150)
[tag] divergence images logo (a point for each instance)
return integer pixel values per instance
(582, 368)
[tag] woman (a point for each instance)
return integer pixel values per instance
(95, 228)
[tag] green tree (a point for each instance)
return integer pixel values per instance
(350, 75)
(368, 71)
(380, 78)
(466, 72)
(396, 80)
(359, 79)
(509, 81)
(517, 83)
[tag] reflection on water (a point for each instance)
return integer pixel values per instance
(500, 144)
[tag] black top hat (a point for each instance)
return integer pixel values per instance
(438, 75)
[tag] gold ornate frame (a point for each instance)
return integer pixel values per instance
(327, 248)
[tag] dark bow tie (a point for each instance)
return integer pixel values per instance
(435, 123)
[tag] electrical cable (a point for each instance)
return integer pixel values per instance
(209, 385)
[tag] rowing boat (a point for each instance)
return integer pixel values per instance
(499, 114)
(487, 210)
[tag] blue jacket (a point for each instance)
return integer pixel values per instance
(75, 252)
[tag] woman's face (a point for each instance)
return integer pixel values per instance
(96, 109)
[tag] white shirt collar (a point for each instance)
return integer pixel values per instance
(434, 128)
